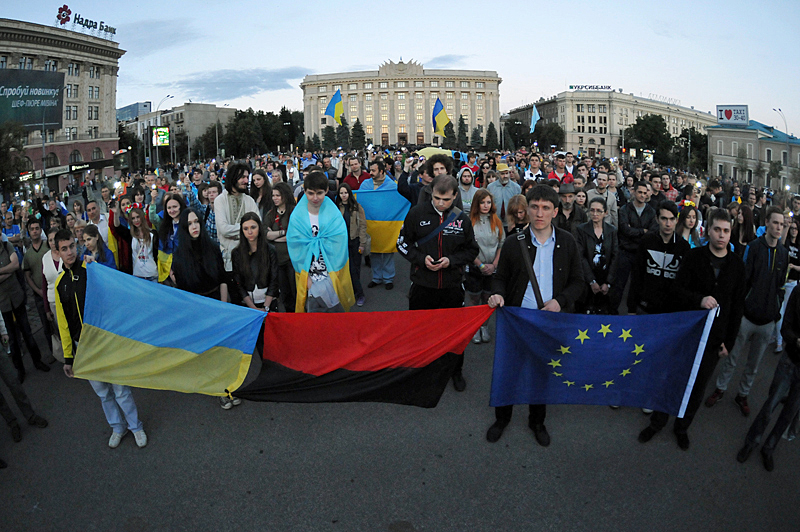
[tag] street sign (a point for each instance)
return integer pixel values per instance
(732, 115)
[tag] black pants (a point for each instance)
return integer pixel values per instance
(536, 413)
(48, 331)
(424, 298)
(624, 266)
(24, 327)
(355, 267)
(287, 286)
(707, 366)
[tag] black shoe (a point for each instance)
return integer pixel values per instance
(3, 465)
(372, 284)
(41, 366)
(16, 432)
(647, 434)
(683, 441)
(389, 286)
(459, 383)
(37, 421)
(540, 433)
(766, 457)
(744, 453)
(495, 431)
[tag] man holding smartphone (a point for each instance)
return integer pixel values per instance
(438, 240)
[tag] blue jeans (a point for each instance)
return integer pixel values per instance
(786, 381)
(382, 267)
(118, 406)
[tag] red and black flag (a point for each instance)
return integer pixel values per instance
(404, 357)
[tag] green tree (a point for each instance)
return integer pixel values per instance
(243, 135)
(449, 142)
(758, 173)
(491, 138)
(547, 135)
(517, 132)
(358, 139)
(288, 129)
(650, 133)
(463, 131)
(475, 140)
(343, 135)
(315, 142)
(328, 138)
(774, 173)
(136, 153)
(741, 163)
(12, 143)
(205, 146)
(181, 146)
(309, 144)
(508, 140)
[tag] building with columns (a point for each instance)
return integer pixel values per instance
(90, 63)
(395, 103)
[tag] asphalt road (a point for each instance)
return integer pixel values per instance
(377, 467)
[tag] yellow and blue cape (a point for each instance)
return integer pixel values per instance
(332, 241)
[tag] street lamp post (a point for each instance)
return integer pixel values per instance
(216, 127)
(788, 146)
(158, 119)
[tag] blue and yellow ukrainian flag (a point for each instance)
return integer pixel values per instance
(440, 118)
(331, 240)
(148, 342)
(336, 107)
(385, 210)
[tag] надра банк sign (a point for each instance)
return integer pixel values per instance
(32, 98)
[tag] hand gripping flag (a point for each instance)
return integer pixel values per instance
(143, 334)
(385, 210)
(336, 107)
(440, 118)
(331, 242)
(552, 358)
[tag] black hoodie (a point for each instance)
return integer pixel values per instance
(654, 272)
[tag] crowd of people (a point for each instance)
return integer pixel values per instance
(550, 232)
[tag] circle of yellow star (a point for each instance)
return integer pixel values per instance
(608, 383)
(564, 350)
(582, 335)
(639, 349)
(588, 387)
(637, 361)
(604, 329)
(569, 383)
(557, 374)
(626, 372)
(626, 333)
(554, 363)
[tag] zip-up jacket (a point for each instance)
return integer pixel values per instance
(654, 271)
(632, 226)
(766, 269)
(456, 242)
(70, 300)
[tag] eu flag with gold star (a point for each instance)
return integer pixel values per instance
(647, 361)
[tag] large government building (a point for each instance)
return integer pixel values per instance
(395, 103)
(593, 120)
(88, 133)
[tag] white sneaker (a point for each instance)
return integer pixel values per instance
(477, 338)
(484, 333)
(647, 410)
(116, 437)
(236, 401)
(225, 403)
(141, 438)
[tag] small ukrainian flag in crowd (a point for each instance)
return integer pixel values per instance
(440, 118)
(336, 107)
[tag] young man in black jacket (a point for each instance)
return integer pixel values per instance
(709, 277)
(558, 254)
(766, 267)
(636, 219)
(438, 240)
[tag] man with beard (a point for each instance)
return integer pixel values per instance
(569, 217)
(466, 188)
(503, 190)
(230, 206)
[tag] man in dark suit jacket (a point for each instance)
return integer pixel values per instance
(557, 266)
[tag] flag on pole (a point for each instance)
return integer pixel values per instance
(534, 118)
(440, 118)
(598, 360)
(336, 107)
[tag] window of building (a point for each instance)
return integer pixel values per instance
(434, 95)
(434, 83)
(353, 108)
(479, 85)
(418, 106)
(95, 132)
(384, 117)
(449, 107)
(719, 147)
(749, 150)
(323, 102)
(580, 140)
(602, 140)
(465, 84)
(769, 153)
(450, 95)
(402, 128)
(479, 96)
(480, 118)
(734, 148)
(592, 119)
(75, 157)
(579, 107)
(323, 88)
(352, 86)
(94, 72)
(368, 118)
(419, 83)
(353, 119)
(465, 96)
(368, 85)
(368, 107)
(784, 158)
(51, 160)
(419, 116)
(419, 95)
(74, 69)
(601, 109)
(384, 107)
(465, 107)
(51, 135)
(401, 116)
(383, 85)
(401, 95)
(590, 108)
(401, 107)
(401, 84)
(368, 97)
(26, 63)
(449, 84)
(51, 65)
(3, 61)
(384, 129)
(384, 96)
(479, 106)
(369, 130)
(97, 154)
(337, 88)
(353, 97)
(581, 119)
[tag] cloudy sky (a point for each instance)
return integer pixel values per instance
(255, 53)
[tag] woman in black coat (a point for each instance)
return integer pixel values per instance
(599, 248)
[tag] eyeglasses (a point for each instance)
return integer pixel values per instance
(596, 211)
(486, 167)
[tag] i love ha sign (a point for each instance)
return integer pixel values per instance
(732, 115)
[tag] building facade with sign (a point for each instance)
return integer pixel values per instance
(395, 103)
(737, 151)
(88, 133)
(593, 120)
